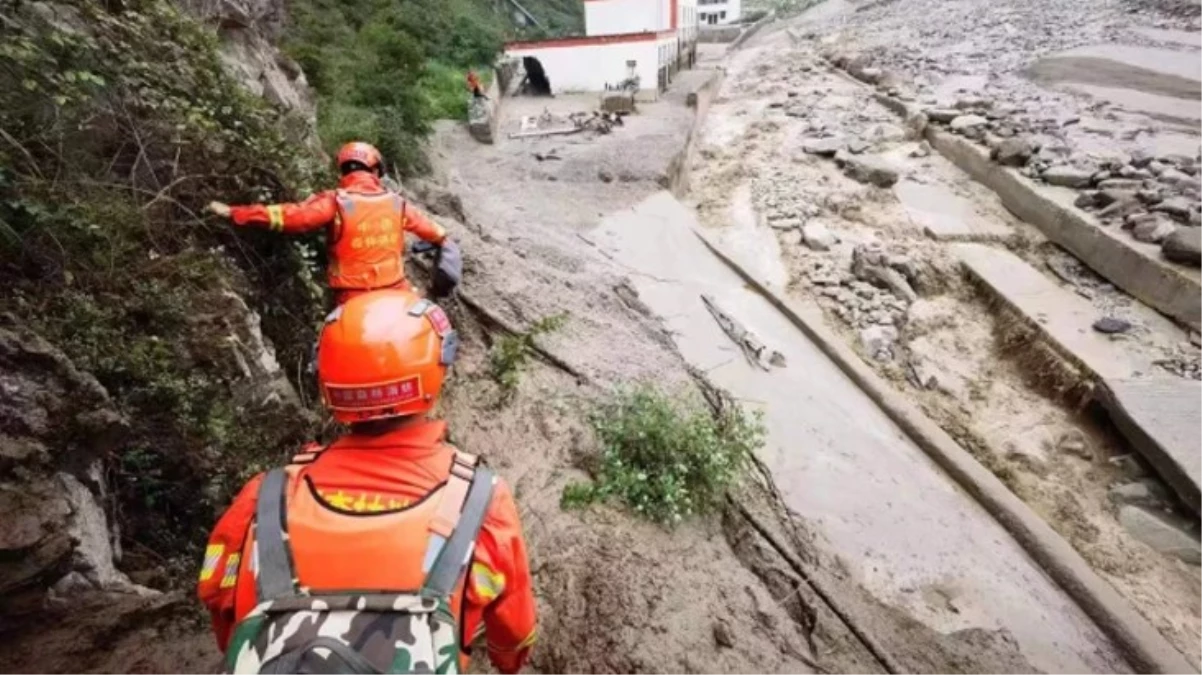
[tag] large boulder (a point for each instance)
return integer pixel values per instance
(1184, 246)
(871, 169)
(482, 120)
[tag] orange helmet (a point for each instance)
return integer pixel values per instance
(363, 153)
(384, 354)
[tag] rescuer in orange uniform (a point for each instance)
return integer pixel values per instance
(361, 510)
(365, 225)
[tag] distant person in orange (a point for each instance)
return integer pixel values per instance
(473, 85)
(365, 224)
(388, 549)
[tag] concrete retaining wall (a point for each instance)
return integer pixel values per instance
(1136, 268)
(755, 28)
(699, 99)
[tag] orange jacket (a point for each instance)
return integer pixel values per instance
(388, 473)
(366, 248)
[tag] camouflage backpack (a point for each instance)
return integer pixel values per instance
(299, 630)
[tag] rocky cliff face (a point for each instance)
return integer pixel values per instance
(56, 426)
(249, 31)
(65, 604)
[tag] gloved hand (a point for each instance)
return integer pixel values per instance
(219, 209)
(448, 270)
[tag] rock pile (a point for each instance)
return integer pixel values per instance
(1154, 198)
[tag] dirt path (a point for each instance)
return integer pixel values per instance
(935, 336)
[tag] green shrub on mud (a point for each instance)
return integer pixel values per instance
(117, 124)
(666, 458)
(510, 353)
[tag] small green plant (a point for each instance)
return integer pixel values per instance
(510, 353)
(664, 457)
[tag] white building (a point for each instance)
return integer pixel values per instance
(719, 12)
(624, 39)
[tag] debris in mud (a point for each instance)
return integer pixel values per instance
(1073, 443)
(871, 169)
(823, 147)
(878, 342)
(1111, 325)
(756, 353)
(872, 264)
(1015, 151)
(722, 636)
(817, 236)
(1067, 176)
(1146, 492)
(1163, 532)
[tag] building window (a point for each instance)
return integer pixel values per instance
(722, 15)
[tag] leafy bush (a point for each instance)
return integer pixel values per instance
(668, 459)
(117, 123)
(510, 353)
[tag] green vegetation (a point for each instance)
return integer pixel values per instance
(511, 353)
(666, 458)
(116, 126)
(385, 69)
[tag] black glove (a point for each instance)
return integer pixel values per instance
(448, 270)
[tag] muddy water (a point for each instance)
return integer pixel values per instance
(906, 532)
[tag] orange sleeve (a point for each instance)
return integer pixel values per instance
(500, 579)
(223, 556)
(315, 212)
(421, 225)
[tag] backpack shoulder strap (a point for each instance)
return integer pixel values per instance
(461, 511)
(308, 454)
(276, 576)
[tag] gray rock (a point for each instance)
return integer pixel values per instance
(1148, 196)
(1155, 168)
(823, 147)
(1153, 231)
(878, 341)
(1074, 443)
(1108, 197)
(1163, 533)
(817, 236)
(973, 103)
(722, 635)
(1141, 158)
(1015, 151)
(858, 146)
(1129, 171)
(1122, 207)
(1146, 492)
(871, 169)
(1067, 176)
(1121, 184)
(1195, 218)
(943, 115)
(1087, 200)
(923, 150)
(1176, 178)
(963, 123)
(1184, 246)
(869, 75)
(1178, 207)
(1138, 219)
(1111, 325)
(1100, 176)
(785, 223)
